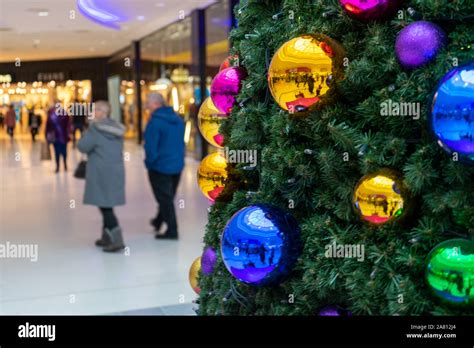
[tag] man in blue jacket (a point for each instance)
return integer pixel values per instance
(164, 159)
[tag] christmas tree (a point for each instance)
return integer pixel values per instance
(316, 163)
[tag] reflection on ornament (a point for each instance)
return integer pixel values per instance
(209, 121)
(208, 261)
(226, 86)
(450, 271)
(452, 112)
(419, 43)
(378, 197)
(370, 10)
(212, 175)
(301, 70)
(193, 275)
(229, 61)
(260, 244)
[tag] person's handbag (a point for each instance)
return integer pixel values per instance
(80, 172)
(45, 152)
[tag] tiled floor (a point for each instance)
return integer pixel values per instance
(71, 275)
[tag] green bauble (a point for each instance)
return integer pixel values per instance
(450, 271)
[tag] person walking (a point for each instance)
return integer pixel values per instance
(58, 128)
(105, 173)
(78, 121)
(34, 122)
(10, 121)
(164, 159)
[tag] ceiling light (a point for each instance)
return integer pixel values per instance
(141, 18)
(43, 13)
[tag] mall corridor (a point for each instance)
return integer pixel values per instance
(71, 275)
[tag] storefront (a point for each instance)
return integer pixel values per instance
(33, 87)
(169, 63)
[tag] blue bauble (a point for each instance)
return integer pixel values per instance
(260, 244)
(452, 112)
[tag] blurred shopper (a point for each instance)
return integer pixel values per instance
(164, 159)
(34, 122)
(105, 173)
(78, 123)
(57, 133)
(10, 121)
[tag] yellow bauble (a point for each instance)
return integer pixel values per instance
(212, 175)
(380, 197)
(303, 70)
(193, 275)
(209, 121)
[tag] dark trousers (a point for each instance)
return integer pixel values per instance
(34, 132)
(60, 150)
(164, 189)
(109, 218)
(11, 131)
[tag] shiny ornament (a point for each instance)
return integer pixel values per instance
(212, 175)
(334, 311)
(452, 112)
(209, 121)
(225, 87)
(303, 71)
(419, 43)
(208, 261)
(193, 275)
(229, 61)
(370, 10)
(379, 197)
(260, 244)
(450, 271)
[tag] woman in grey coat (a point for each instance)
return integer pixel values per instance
(105, 173)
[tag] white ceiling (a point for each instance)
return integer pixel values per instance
(28, 36)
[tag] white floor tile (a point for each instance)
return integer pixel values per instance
(71, 275)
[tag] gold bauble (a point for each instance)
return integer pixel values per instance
(209, 121)
(212, 175)
(193, 275)
(380, 197)
(303, 70)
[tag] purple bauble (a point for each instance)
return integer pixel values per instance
(208, 261)
(225, 87)
(334, 311)
(370, 10)
(419, 43)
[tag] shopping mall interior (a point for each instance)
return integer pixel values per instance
(80, 52)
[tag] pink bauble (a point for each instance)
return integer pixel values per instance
(225, 87)
(370, 10)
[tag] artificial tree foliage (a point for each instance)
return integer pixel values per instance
(309, 166)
